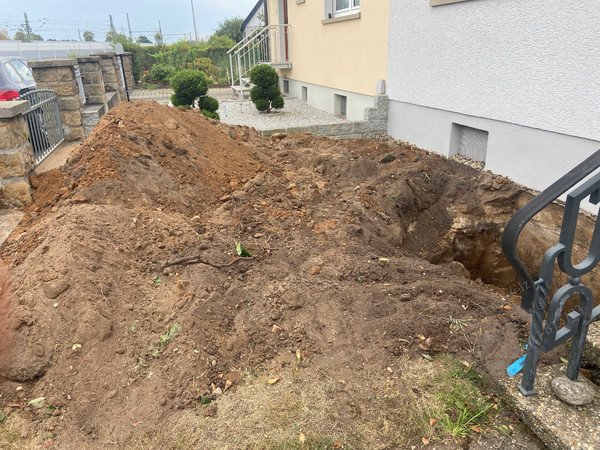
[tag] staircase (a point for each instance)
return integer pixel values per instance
(268, 45)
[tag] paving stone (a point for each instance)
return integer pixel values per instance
(557, 424)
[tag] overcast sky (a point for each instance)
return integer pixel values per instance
(61, 19)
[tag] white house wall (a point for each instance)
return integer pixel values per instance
(534, 62)
(528, 72)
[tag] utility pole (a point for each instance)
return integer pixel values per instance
(194, 19)
(27, 28)
(129, 26)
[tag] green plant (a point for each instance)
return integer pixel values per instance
(265, 94)
(161, 72)
(188, 86)
(241, 250)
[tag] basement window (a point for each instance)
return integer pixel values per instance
(286, 86)
(304, 94)
(469, 142)
(340, 103)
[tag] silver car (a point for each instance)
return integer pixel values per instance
(15, 77)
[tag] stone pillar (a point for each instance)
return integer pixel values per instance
(91, 77)
(59, 75)
(113, 81)
(128, 68)
(16, 155)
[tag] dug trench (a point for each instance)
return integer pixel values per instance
(129, 307)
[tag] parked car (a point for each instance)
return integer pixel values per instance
(15, 77)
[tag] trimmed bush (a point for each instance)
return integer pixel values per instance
(192, 85)
(265, 94)
(188, 86)
(208, 104)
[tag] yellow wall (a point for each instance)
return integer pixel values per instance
(349, 55)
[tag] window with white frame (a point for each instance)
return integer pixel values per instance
(343, 7)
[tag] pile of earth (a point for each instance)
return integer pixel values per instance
(362, 252)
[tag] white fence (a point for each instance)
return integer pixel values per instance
(52, 49)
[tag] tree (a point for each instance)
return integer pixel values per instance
(141, 39)
(4, 35)
(265, 94)
(114, 37)
(158, 38)
(23, 36)
(88, 36)
(231, 27)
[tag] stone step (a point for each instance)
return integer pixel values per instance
(557, 424)
(90, 115)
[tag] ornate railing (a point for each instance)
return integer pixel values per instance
(535, 294)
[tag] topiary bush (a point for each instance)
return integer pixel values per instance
(192, 85)
(265, 94)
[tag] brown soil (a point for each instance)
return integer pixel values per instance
(357, 264)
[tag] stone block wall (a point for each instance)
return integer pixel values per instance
(128, 69)
(111, 74)
(59, 75)
(16, 155)
(93, 82)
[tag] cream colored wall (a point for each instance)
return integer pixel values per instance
(350, 55)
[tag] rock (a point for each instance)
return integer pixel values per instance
(278, 135)
(315, 270)
(218, 391)
(209, 410)
(276, 329)
(111, 394)
(405, 297)
(577, 393)
(275, 315)
(229, 346)
(53, 289)
(458, 269)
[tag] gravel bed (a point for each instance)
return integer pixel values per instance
(295, 113)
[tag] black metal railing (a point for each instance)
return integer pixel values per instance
(535, 294)
(43, 120)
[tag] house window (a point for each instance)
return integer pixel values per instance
(342, 7)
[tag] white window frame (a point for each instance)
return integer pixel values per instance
(354, 7)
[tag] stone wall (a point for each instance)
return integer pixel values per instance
(59, 75)
(113, 81)
(91, 77)
(374, 125)
(16, 155)
(128, 69)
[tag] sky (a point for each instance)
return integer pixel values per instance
(61, 19)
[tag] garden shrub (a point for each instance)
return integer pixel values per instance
(161, 72)
(265, 94)
(191, 85)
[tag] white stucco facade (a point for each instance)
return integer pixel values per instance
(528, 73)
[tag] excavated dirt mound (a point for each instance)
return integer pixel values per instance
(361, 253)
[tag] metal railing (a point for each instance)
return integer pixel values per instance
(535, 295)
(43, 120)
(268, 45)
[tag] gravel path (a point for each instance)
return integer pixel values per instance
(295, 113)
